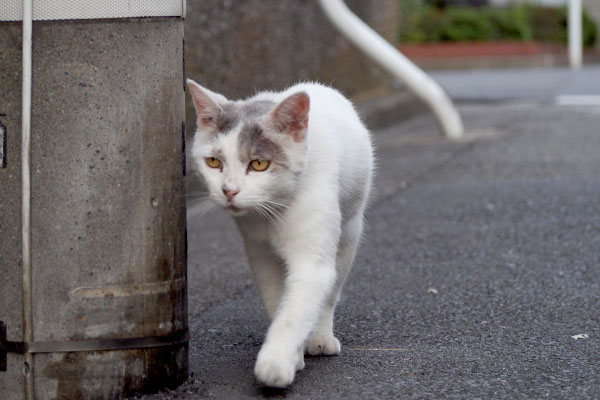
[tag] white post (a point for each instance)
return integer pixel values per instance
(575, 34)
(26, 193)
(388, 57)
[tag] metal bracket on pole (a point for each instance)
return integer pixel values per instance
(66, 346)
(389, 58)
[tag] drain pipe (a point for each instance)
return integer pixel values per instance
(26, 193)
(384, 54)
(575, 34)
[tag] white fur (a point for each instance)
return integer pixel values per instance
(300, 255)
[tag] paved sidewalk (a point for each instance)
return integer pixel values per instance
(478, 276)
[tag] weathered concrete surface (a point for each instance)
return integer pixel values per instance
(237, 48)
(108, 219)
(478, 267)
(11, 273)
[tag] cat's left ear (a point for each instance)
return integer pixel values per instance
(291, 116)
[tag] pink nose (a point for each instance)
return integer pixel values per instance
(230, 194)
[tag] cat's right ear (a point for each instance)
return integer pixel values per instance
(206, 104)
(291, 116)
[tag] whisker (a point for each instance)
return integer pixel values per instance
(270, 208)
(199, 192)
(275, 216)
(273, 202)
(199, 209)
(276, 202)
(274, 213)
(263, 212)
(204, 194)
(194, 195)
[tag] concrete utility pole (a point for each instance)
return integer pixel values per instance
(93, 289)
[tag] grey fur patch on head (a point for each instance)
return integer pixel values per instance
(257, 108)
(253, 144)
(228, 118)
(233, 113)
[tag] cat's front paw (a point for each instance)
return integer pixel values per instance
(323, 345)
(274, 369)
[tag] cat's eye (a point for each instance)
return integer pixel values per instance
(259, 165)
(213, 162)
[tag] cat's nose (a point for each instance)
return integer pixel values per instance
(230, 194)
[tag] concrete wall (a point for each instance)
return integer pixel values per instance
(237, 48)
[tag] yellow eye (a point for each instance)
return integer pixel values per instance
(213, 162)
(259, 165)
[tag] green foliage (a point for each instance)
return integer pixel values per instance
(426, 23)
(509, 23)
(550, 25)
(465, 24)
(590, 30)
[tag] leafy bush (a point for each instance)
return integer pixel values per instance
(465, 24)
(509, 23)
(548, 24)
(455, 24)
(589, 30)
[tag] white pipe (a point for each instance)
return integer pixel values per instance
(575, 34)
(26, 192)
(383, 53)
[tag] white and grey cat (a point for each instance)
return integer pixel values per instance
(294, 168)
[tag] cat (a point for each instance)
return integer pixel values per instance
(294, 169)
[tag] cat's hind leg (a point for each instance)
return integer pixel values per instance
(322, 341)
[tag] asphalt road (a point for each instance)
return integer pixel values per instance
(478, 276)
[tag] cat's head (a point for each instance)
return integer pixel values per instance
(250, 153)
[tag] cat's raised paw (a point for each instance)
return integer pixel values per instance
(273, 370)
(323, 345)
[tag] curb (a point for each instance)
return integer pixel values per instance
(384, 110)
